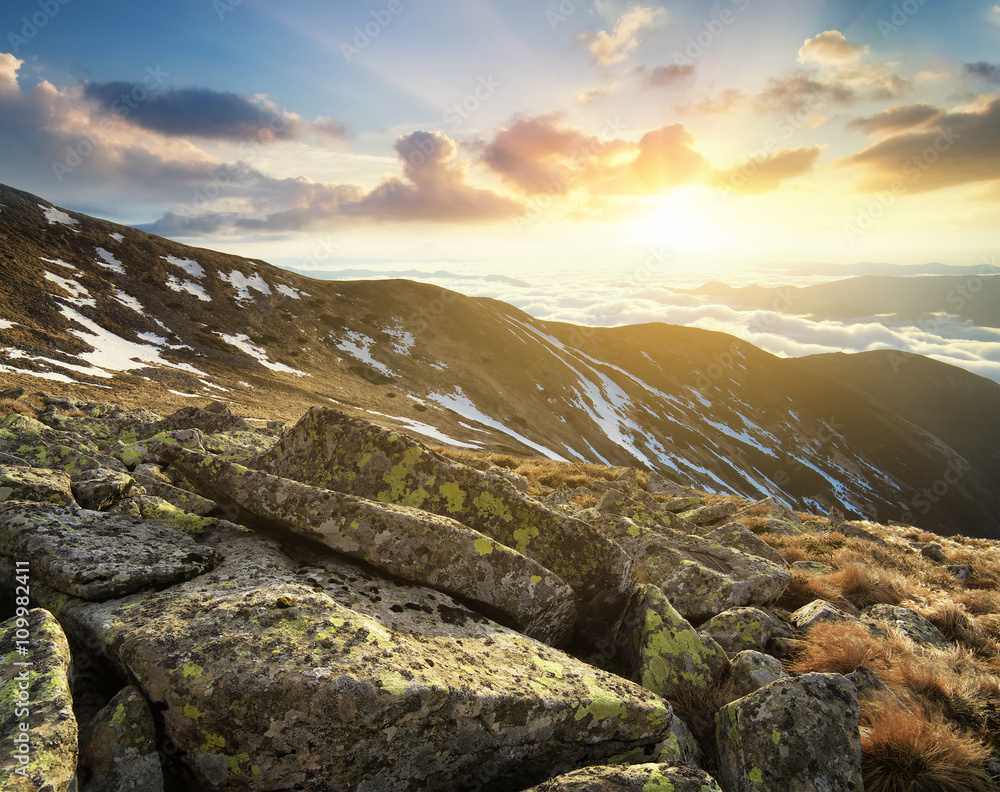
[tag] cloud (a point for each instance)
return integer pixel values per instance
(801, 89)
(665, 76)
(961, 148)
(726, 102)
(544, 155)
(202, 112)
(588, 97)
(898, 118)
(434, 190)
(608, 49)
(831, 47)
(760, 176)
(668, 159)
(879, 82)
(990, 72)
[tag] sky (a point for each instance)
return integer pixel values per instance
(520, 136)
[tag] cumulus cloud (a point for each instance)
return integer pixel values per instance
(434, 190)
(202, 112)
(667, 158)
(831, 47)
(990, 72)
(801, 89)
(608, 49)
(665, 76)
(897, 119)
(961, 148)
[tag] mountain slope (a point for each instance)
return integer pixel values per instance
(94, 305)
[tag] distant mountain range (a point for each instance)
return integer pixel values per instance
(88, 307)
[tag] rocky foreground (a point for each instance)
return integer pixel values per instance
(198, 603)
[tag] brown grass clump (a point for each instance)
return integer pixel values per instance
(956, 624)
(29, 406)
(839, 648)
(793, 554)
(756, 524)
(697, 709)
(798, 593)
(584, 501)
(904, 752)
(979, 602)
(865, 585)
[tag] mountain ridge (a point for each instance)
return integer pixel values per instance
(704, 408)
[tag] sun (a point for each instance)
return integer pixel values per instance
(688, 218)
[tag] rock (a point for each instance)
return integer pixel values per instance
(680, 504)
(43, 447)
(639, 507)
(119, 747)
(705, 515)
(159, 487)
(262, 681)
(959, 571)
(415, 545)
(750, 671)
(631, 778)
(662, 652)
(12, 393)
(661, 485)
(95, 556)
(799, 733)
(207, 422)
(775, 517)
(817, 612)
(934, 553)
(331, 450)
(238, 444)
(99, 489)
(35, 484)
(701, 578)
(151, 507)
(908, 622)
(858, 531)
(13, 461)
(738, 629)
(681, 746)
(132, 452)
(38, 732)
(739, 537)
(810, 567)
(868, 683)
(834, 518)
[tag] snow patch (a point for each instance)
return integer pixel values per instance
(129, 302)
(78, 295)
(116, 236)
(288, 291)
(179, 285)
(358, 345)
(190, 266)
(54, 216)
(244, 344)
(109, 262)
(427, 430)
(402, 340)
(461, 404)
(6, 324)
(243, 284)
(60, 262)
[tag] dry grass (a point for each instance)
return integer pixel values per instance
(545, 475)
(839, 648)
(697, 709)
(26, 405)
(903, 752)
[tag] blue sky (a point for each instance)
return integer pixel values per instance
(745, 130)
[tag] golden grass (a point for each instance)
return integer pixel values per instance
(839, 648)
(903, 752)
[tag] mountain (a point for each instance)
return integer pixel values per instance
(974, 297)
(102, 309)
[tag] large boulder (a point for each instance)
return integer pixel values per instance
(334, 451)
(38, 732)
(699, 576)
(97, 556)
(99, 489)
(415, 545)
(745, 628)
(632, 778)
(18, 482)
(798, 733)
(118, 752)
(43, 447)
(287, 668)
(662, 652)
(908, 622)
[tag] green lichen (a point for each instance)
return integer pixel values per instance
(397, 479)
(212, 744)
(454, 496)
(490, 506)
(756, 776)
(192, 712)
(192, 670)
(483, 546)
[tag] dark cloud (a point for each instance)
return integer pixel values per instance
(665, 76)
(202, 112)
(798, 90)
(990, 72)
(898, 118)
(961, 148)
